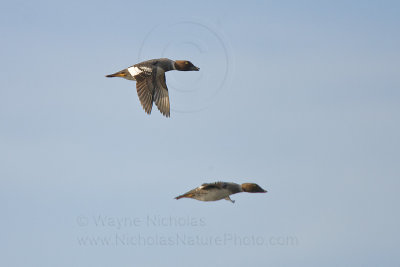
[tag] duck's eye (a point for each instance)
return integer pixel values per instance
(186, 62)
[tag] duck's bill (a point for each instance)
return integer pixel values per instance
(195, 68)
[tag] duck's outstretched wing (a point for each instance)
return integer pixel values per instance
(161, 97)
(145, 90)
(216, 185)
(151, 86)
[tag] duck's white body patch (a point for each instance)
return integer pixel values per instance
(134, 71)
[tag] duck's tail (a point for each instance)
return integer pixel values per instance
(188, 195)
(122, 73)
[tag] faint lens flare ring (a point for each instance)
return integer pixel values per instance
(225, 74)
(195, 44)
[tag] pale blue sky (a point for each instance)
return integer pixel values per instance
(302, 98)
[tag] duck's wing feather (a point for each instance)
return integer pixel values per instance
(145, 90)
(161, 97)
(216, 185)
(151, 86)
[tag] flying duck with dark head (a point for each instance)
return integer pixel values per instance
(150, 81)
(220, 190)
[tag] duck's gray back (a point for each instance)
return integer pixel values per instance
(164, 63)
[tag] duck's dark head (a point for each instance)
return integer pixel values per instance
(185, 65)
(252, 188)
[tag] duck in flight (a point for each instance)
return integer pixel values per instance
(150, 81)
(220, 190)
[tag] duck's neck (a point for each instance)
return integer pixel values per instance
(173, 65)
